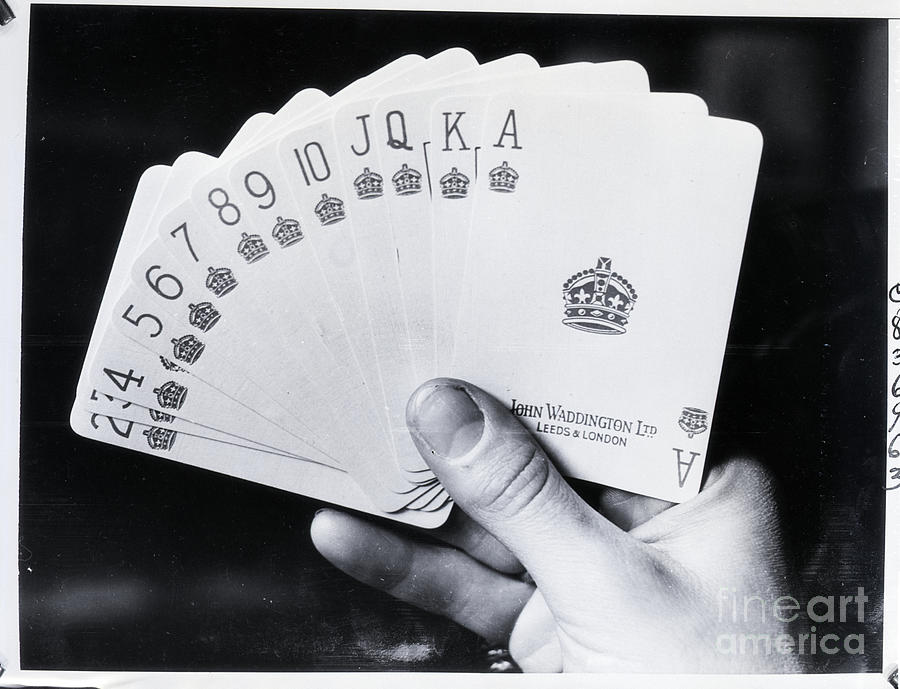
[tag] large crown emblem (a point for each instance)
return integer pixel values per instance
(407, 181)
(187, 348)
(203, 315)
(454, 185)
(503, 179)
(161, 416)
(160, 438)
(330, 210)
(220, 281)
(369, 185)
(252, 247)
(693, 421)
(598, 300)
(170, 395)
(287, 232)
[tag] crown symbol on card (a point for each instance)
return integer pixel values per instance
(693, 421)
(203, 315)
(160, 416)
(503, 178)
(407, 181)
(187, 348)
(369, 185)
(598, 300)
(287, 232)
(160, 438)
(170, 395)
(454, 185)
(330, 210)
(252, 247)
(220, 281)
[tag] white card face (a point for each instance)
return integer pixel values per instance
(600, 280)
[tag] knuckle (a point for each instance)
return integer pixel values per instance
(514, 482)
(749, 479)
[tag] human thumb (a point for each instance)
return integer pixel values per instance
(498, 474)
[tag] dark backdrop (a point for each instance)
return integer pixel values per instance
(132, 562)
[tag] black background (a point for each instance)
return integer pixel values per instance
(130, 562)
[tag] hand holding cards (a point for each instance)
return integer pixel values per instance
(559, 236)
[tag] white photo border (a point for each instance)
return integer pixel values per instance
(13, 82)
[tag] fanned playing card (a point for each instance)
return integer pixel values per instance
(556, 235)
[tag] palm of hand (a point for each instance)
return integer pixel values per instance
(675, 591)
